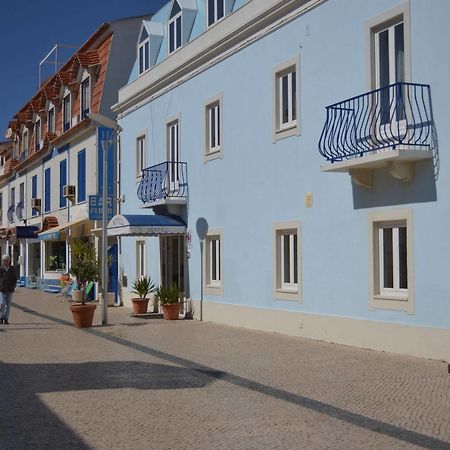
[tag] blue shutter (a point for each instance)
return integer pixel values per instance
(62, 183)
(34, 192)
(81, 190)
(47, 191)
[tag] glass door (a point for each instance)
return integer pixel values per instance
(173, 157)
(389, 70)
(172, 255)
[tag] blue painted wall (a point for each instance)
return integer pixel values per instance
(258, 182)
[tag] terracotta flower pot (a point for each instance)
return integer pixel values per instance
(140, 305)
(171, 311)
(83, 315)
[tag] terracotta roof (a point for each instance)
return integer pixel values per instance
(88, 59)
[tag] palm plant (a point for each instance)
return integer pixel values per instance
(143, 286)
(168, 295)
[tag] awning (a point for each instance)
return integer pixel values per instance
(144, 225)
(54, 234)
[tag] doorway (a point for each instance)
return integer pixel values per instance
(172, 255)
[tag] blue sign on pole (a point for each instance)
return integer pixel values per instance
(96, 207)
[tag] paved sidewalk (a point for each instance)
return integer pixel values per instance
(151, 384)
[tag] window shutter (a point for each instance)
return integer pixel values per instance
(47, 191)
(62, 182)
(81, 191)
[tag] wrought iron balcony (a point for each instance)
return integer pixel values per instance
(10, 214)
(164, 183)
(398, 116)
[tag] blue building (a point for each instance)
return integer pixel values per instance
(242, 122)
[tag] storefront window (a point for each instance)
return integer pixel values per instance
(55, 253)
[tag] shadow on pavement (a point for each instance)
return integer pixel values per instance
(27, 423)
(337, 413)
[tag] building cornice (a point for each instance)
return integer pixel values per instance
(249, 23)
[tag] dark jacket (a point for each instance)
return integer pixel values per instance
(8, 279)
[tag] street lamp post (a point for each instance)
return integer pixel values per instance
(106, 144)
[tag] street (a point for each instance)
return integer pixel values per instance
(154, 384)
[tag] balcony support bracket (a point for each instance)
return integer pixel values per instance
(362, 177)
(401, 170)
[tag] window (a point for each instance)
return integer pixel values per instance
(144, 52)
(47, 193)
(216, 11)
(140, 259)
(51, 120)
(175, 28)
(81, 188)
(66, 113)
(34, 193)
(387, 37)
(85, 97)
(390, 260)
(1, 208)
(213, 263)
(22, 192)
(287, 261)
(13, 197)
(213, 120)
(287, 103)
(25, 142)
(55, 256)
(37, 135)
(141, 150)
(62, 183)
(173, 156)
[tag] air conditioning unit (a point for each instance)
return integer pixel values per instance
(69, 192)
(36, 204)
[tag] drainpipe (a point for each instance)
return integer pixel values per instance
(119, 204)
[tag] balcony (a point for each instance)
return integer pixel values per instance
(164, 184)
(390, 127)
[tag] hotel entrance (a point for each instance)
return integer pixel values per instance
(172, 253)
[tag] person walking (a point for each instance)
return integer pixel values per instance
(8, 280)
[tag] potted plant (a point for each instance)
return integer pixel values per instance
(85, 267)
(169, 298)
(142, 287)
(53, 262)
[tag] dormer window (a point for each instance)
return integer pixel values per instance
(216, 11)
(66, 112)
(37, 135)
(51, 120)
(144, 52)
(85, 97)
(175, 28)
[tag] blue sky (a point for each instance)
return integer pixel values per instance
(30, 28)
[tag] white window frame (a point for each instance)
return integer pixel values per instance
(51, 120)
(213, 286)
(145, 46)
(68, 110)
(393, 16)
(216, 19)
(214, 106)
(292, 127)
(173, 20)
(25, 140)
(141, 258)
(88, 96)
(390, 298)
(141, 153)
(282, 290)
(173, 148)
(37, 134)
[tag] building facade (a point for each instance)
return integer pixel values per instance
(53, 161)
(302, 146)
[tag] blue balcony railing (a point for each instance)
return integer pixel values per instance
(10, 214)
(163, 181)
(397, 115)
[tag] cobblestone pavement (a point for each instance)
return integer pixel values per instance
(151, 384)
